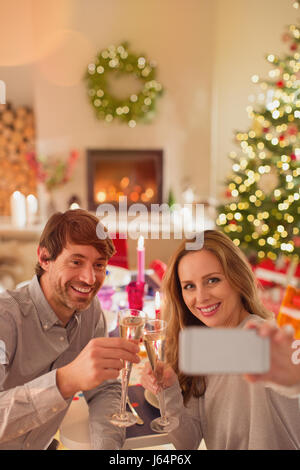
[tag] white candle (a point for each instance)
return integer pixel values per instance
(141, 259)
(18, 209)
(157, 300)
(189, 196)
(141, 243)
(32, 207)
(157, 304)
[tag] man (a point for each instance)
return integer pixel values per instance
(53, 337)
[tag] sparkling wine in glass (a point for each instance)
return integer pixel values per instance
(155, 342)
(131, 324)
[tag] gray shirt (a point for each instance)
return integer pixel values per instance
(34, 344)
(235, 415)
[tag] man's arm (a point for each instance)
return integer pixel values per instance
(24, 407)
(103, 401)
(94, 372)
(28, 406)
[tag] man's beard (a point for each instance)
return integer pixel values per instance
(75, 304)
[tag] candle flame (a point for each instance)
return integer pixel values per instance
(17, 195)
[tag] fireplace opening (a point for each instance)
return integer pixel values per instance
(113, 174)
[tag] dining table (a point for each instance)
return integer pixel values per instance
(74, 429)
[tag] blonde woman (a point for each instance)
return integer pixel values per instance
(214, 287)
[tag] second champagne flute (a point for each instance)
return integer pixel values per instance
(131, 324)
(155, 341)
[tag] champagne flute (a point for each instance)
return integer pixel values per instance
(131, 324)
(154, 336)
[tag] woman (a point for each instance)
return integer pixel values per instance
(215, 287)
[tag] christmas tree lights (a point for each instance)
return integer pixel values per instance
(261, 213)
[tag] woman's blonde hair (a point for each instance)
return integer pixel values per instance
(239, 274)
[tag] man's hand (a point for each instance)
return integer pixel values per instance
(100, 360)
(284, 368)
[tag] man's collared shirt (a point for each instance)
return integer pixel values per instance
(34, 345)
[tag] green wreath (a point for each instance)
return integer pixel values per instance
(138, 107)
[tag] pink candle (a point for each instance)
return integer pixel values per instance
(141, 260)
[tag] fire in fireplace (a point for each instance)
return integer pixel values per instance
(136, 174)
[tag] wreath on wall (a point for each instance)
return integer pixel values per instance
(137, 107)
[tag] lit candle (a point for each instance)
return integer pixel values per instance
(32, 207)
(18, 209)
(141, 259)
(157, 305)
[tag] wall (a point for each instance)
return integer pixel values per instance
(206, 53)
(245, 33)
(17, 50)
(172, 33)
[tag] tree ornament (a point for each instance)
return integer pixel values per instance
(268, 182)
(118, 60)
(257, 127)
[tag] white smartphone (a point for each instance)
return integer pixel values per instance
(205, 350)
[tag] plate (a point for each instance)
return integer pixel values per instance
(117, 276)
(151, 399)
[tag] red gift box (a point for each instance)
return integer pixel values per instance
(269, 274)
(272, 280)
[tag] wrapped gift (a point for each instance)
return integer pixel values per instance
(270, 274)
(289, 312)
(272, 281)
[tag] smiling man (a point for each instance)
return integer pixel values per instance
(72, 281)
(56, 341)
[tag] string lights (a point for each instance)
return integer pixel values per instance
(262, 211)
(139, 106)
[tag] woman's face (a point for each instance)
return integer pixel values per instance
(206, 291)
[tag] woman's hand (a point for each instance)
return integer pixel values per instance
(164, 377)
(284, 354)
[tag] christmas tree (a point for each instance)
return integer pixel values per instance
(261, 213)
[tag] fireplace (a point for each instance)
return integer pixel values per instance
(113, 174)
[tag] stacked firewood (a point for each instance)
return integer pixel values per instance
(17, 137)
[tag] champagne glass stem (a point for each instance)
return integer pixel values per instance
(162, 403)
(125, 381)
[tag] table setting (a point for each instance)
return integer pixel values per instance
(129, 288)
(124, 289)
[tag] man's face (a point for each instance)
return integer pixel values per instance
(74, 278)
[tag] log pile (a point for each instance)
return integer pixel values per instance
(17, 137)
